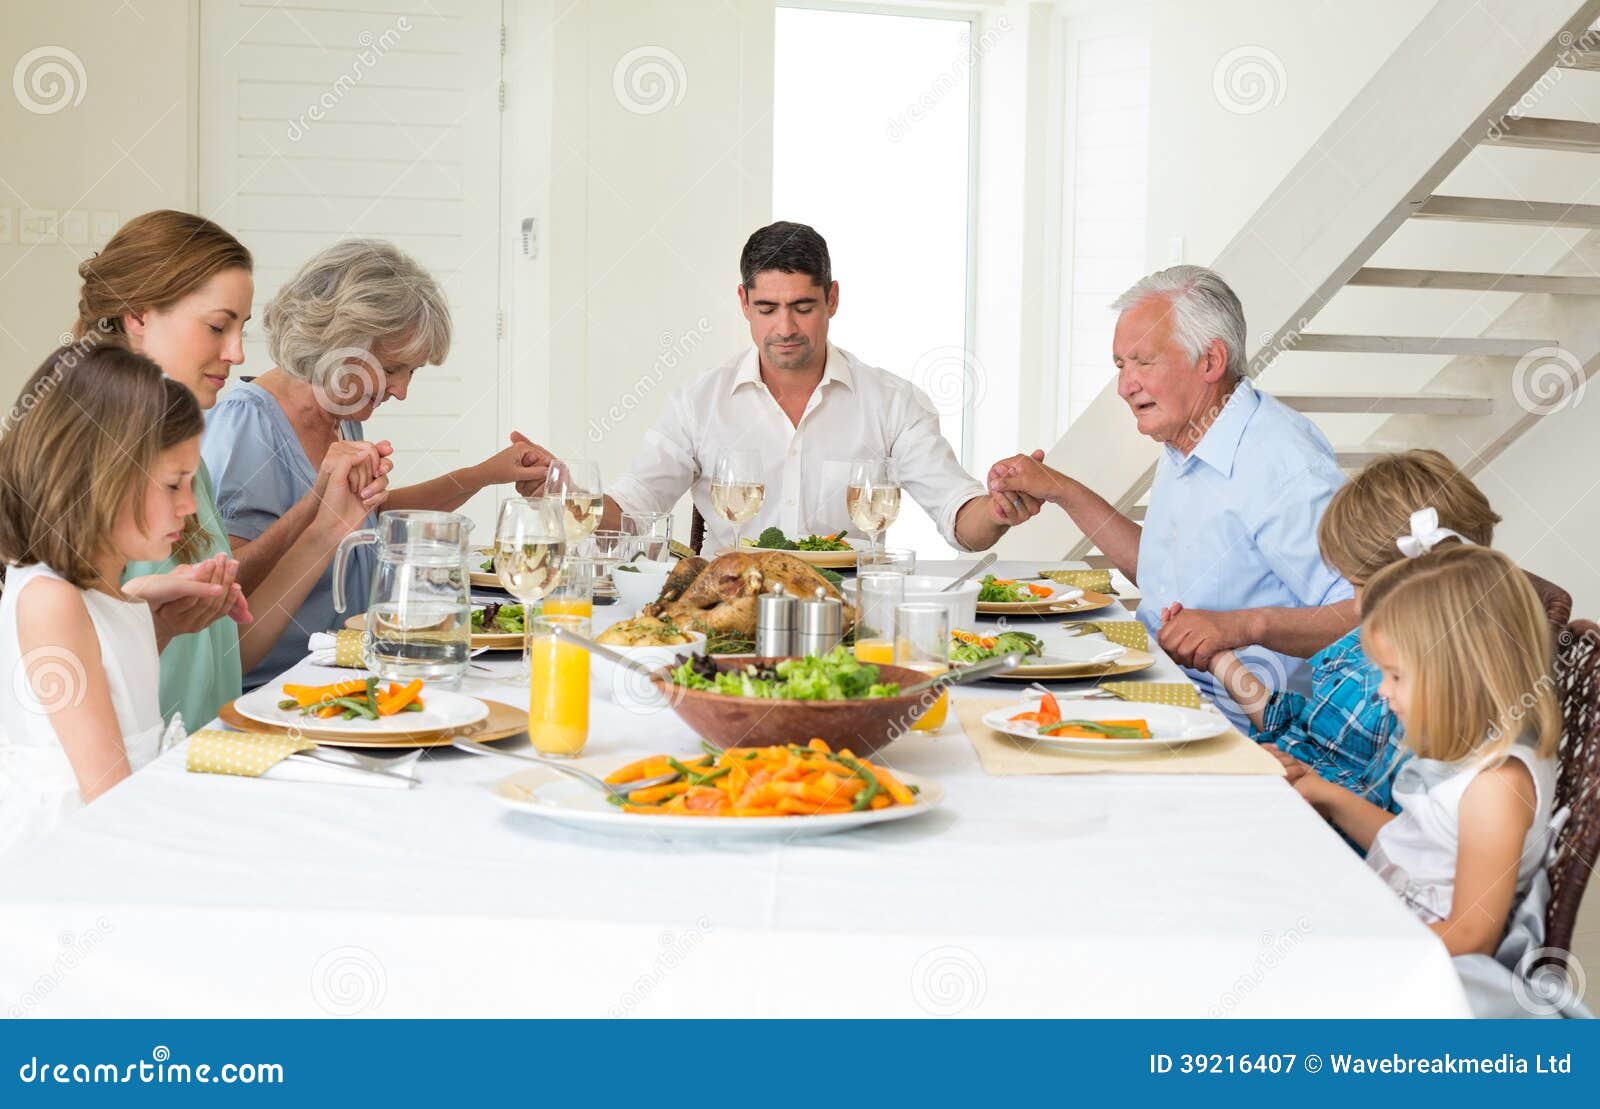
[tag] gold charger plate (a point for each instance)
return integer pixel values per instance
(502, 722)
(493, 641)
(1089, 602)
(832, 560)
(1128, 662)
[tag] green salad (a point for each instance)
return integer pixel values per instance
(773, 539)
(1006, 591)
(497, 618)
(967, 647)
(835, 676)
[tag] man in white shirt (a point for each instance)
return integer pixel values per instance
(809, 409)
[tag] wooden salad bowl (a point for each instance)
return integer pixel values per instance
(862, 726)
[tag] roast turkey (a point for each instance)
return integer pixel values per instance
(722, 594)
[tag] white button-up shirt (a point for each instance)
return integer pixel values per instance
(856, 411)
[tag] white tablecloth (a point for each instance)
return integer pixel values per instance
(200, 895)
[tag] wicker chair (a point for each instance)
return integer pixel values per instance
(1578, 778)
(697, 536)
(1557, 602)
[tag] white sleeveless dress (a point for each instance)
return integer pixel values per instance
(37, 786)
(1415, 853)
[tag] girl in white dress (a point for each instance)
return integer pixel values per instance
(96, 464)
(1464, 649)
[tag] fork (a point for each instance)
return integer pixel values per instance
(620, 791)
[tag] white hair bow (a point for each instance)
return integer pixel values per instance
(1426, 534)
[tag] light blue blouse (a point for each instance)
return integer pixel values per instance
(261, 471)
(1233, 525)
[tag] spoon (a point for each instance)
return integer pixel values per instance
(977, 567)
(967, 673)
(604, 652)
(619, 791)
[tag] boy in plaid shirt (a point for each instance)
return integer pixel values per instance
(1398, 507)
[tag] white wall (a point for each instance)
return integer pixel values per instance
(125, 147)
(1211, 169)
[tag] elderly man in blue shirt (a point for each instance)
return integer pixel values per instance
(1227, 557)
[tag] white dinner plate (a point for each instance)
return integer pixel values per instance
(441, 709)
(561, 799)
(1169, 725)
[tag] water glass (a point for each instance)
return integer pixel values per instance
(891, 560)
(573, 595)
(878, 595)
(654, 534)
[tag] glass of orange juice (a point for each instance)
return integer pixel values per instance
(558, 687)
(574, 593)
(877, 595)
(922, 642)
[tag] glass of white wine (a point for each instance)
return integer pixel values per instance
(530, 544)
(576, 483)
(873, 498)
(738, 487)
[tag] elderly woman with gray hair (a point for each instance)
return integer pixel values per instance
(345, 334)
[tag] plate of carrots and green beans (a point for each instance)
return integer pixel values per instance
(360, 704)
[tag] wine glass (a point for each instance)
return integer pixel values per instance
(738, 486)
(873, 498)
(530, 544)
(576, 483)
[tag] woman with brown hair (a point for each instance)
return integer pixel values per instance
(96, 470)
(176, 287)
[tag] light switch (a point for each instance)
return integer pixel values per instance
(6, 230)
(104, 225)
(38, 225)
(75, 227)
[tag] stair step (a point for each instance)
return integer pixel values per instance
(1483, 209)
(1136, 513)
(1413, 404)
(1547, 134)
(1576, 57)
(1354, 458)
(1419, 344)
(1476, 281)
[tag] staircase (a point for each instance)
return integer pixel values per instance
(1452, 88)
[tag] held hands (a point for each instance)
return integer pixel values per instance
(367, 476)
(189, 598)
(1194, 637)
(523, 462)
(1026, 474)
(1307, 782)
(341, 505)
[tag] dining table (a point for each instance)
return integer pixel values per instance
(181, 894)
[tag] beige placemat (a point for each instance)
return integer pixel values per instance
(1229, 753)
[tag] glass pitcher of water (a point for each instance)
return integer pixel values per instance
(419, 610)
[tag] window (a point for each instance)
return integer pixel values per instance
(872, 134)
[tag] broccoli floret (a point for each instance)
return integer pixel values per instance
(774, 539)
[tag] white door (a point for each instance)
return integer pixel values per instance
(378, 118)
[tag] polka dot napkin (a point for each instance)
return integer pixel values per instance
(250, 754)
(1182, 694)
(338, 648)
(1095, 581)
(1124, 633)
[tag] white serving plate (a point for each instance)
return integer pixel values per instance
(442, 709)
(1170, 726)
(546, 794)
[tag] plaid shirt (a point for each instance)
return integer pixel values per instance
(1344, 730)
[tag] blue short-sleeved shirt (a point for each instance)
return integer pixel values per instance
(1233, 525)
(261, 471)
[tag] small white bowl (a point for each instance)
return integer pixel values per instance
(962, 603)
(632, 690)
(637, 588)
